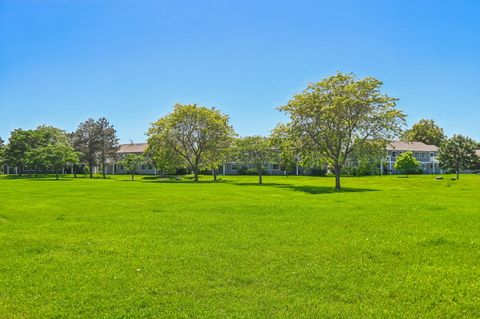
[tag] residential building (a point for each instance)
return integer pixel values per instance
(425, 154)
(131, 148)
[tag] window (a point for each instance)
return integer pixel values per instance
(234, 166)
(276, 166)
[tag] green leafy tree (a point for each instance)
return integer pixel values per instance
(367, 158)
(19, 143)
(406, 163)
(192, 136)
(131, 163)
(2, 147)
(254, 151)
(425, 131)
(107, 143)
(165, 160)
(287, 146)
(458, 153)
(53, 156)
(97, 141)
(85, 141)
(43, 136)
(332, 117)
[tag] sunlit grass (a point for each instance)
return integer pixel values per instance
(293, 248)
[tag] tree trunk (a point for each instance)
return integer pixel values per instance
(90, 169)
(56, 175)
(103, 171)
(260, 181)
(195, 174)
(337, 176)
(214, 171)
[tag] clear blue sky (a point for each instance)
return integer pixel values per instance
(130, 61)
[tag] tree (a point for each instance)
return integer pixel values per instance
(332, 117)
(457, 153)
(97, 141)
(255, 151)
(23, 141)
(53, 156)
(195, 136)
(131, 162)
(107, 143)
(425, 131)
(2, 147)
(42, 136)
(85, 140)
(406, 163)
(19, 143)
(287, 147)
(367, 158)
(166, 160)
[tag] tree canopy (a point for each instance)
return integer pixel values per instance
(334, 116)
(458, 153)
(406, 163)
(23, 141)
(53, 156)
(131, 163)
(96, 140)
(255, 151)
(193, 136)
(425, 131)
(107, 143)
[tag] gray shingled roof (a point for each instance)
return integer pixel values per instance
(132, 148)
(411, 146)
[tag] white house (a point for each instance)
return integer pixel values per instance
(426, 154)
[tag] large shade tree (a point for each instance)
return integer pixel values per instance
(22, 141)
(425, 131)
(256, 152)
(19, 143)
(107, 143)
(334, 116)
(458, 153)
(96, 140)
(192, 136)
(53, 156)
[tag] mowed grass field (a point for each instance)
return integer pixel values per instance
(385, 247)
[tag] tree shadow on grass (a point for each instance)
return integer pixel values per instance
(37, 179)
(310, 189)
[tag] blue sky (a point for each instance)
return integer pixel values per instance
(130, 61)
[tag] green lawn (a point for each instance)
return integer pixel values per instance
(386, 247)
